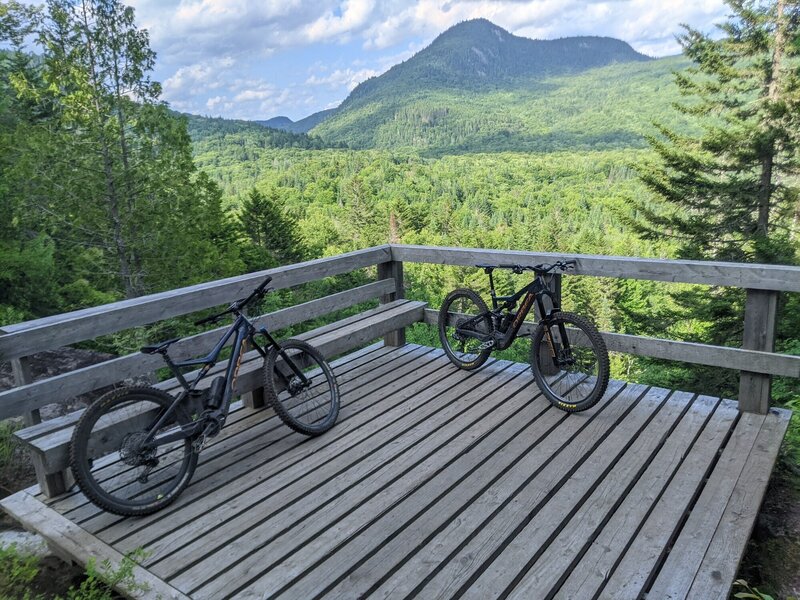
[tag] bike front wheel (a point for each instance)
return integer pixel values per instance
(308, 404)
(570, 362)
(113, 466)
(464, 351)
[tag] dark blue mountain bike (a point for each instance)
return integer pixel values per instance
(136, 448)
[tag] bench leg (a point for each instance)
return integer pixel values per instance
(51, 484)
(254, 399)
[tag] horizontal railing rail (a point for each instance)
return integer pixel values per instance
(780, 278)
(24, 339)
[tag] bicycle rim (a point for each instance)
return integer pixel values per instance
(112, 466)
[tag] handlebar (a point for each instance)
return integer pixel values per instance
(563, 265)
(239, 304)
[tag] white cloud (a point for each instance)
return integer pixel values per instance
(343, 77)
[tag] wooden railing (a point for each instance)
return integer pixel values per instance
(756, 359)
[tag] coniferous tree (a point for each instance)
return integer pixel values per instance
(270, 236)
(731, 191)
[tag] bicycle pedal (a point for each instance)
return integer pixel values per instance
(486, 345)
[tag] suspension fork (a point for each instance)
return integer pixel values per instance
(295, 369)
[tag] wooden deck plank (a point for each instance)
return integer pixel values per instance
(308, 485)
(719, 566)
(631, 574)
(529, 524)
(272, 552)
(585, 576)
(480, 486)
(531, 449)
(678, 571)
(569, 538)
(80, 544)
(209, 482)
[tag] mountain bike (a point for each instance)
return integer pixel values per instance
(135, 449)
(568, 356)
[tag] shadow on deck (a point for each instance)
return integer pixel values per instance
(442, 483)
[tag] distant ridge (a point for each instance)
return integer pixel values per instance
(302, 126)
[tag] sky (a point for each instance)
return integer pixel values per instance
(257, 59)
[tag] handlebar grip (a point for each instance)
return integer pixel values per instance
(263, 286)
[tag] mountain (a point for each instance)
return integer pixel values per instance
(301, 126)
(478, 54)
(477, 88)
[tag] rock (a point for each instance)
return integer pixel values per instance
(25, 543)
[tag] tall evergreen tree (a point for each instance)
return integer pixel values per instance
(111, 167)
(731, 192)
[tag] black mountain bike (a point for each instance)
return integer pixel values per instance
(135, 449)
(568, 357)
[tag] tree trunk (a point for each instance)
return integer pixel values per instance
(773, 93)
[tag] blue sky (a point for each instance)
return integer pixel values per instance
(256, 59)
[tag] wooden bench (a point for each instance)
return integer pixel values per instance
(49, 441)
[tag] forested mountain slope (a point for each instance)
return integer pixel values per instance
(477, 88)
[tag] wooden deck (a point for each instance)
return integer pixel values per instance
(439, 483)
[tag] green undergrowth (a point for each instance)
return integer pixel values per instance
(22, 577)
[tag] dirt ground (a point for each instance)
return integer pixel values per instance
(772, 560)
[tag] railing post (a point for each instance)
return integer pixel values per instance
(57, 483)
(393, 269)
(760, 314)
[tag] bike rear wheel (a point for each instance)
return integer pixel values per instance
(570, 362)
(463, 351)
(112, 467)
(310, 407)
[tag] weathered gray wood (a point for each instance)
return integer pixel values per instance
(499, 573)
(765, 277)
(248, 426)
(223, 481)
(27, 338)
(575, 532)
(393, 270)
(678, 571)
(386, 462)
(87, 379)
(629, 578)
(704, 354)
(721, 561)
(760, 315)
(586, 577)
(325, 537)
(434, 477)
(531, 444)
(51, 483)
(78, 543)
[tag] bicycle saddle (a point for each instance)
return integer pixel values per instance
(162, 347)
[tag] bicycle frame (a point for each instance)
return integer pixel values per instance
(535, 291)
(242, 331)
